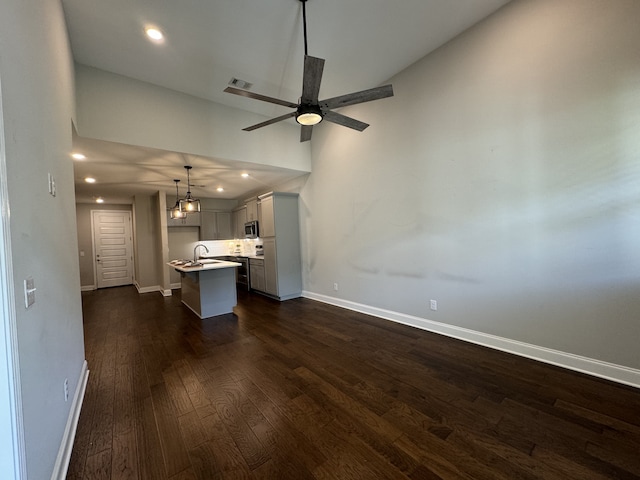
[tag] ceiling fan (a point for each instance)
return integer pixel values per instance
(310, 111)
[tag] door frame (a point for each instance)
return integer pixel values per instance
(13, 456)
(93, 244)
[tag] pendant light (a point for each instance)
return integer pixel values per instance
(189, 204)
(175, 210)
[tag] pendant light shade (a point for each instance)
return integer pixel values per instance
(175, 212)
(188, 204)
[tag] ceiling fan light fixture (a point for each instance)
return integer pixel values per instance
(309, 115)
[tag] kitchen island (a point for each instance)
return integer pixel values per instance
(208, 286)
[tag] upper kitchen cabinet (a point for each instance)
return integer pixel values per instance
(239, 219)
(280, 233)
(215, 225)
(267, 223)
(252, 209)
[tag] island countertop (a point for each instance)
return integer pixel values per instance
(205, 264)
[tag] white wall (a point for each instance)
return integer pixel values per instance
(38, 104)
(501, 180)
(119, 109)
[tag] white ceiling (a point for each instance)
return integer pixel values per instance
(364, 43)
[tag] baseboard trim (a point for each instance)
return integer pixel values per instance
(597, 368)
(66, 446)
(152, 289)
(87, 288)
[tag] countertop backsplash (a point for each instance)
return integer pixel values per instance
(218, 248)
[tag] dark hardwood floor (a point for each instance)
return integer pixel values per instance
(302, 390)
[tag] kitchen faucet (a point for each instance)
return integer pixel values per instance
(195, 252)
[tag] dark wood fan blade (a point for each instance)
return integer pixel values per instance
(305, 133)
(269, 122)
(313, 68)
(345, 121)
(257, 96)
(358, 97)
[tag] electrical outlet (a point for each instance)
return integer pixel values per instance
(66, 389)
(433, 304)
(335, 287)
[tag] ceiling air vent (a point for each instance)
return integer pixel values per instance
(236, 82)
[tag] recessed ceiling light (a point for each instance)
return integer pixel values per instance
(99, 200)
(78, 156)
(220, 189)
(90, 180)
(154, 34)
(245, 175)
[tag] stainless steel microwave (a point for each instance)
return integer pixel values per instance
(251, 229)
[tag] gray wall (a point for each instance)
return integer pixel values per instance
(147, 250)
(116, 108)
(85, 239)
(37, 95)
(501, 180)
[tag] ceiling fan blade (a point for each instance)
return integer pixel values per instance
(305, 133)
(257, 96)
(358, 97)
(345, 121)
(313, 68)
(269, 122)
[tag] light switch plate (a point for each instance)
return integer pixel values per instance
(29, 292)
(52, 185)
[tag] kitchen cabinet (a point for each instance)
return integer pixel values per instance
(239, 219)
(280, 234)
(215, 225)
(267, 224)
(271, 265)
(252, 209)
(209, 289)
(256, 272)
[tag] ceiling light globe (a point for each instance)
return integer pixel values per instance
(309, 118)
(154, 34)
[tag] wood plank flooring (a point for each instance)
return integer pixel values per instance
(303, 390)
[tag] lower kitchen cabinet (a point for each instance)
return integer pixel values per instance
(256, 272)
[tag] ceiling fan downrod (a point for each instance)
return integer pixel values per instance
(304, 25)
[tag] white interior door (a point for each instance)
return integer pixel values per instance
(112, 247)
